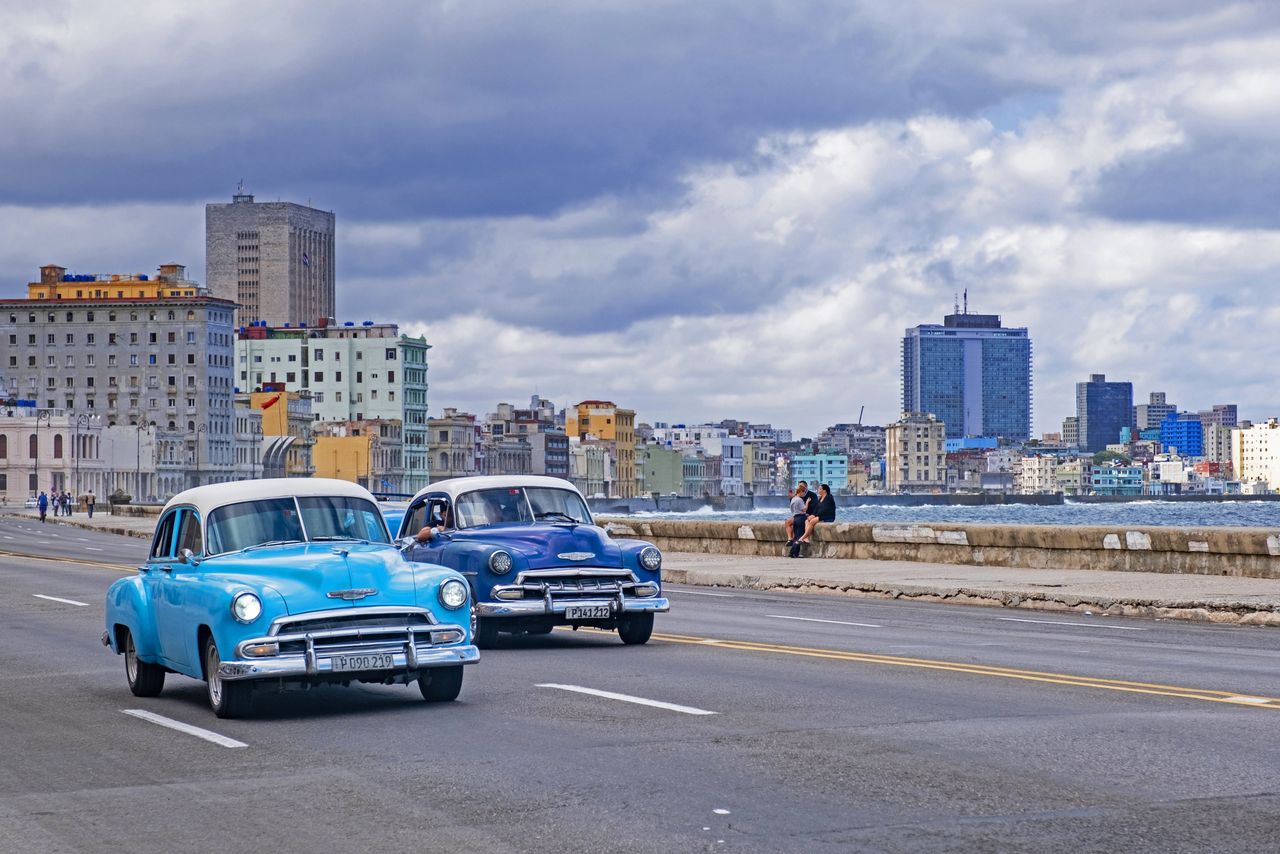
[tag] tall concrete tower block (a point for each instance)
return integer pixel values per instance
(275, 259)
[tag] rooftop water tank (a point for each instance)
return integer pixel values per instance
(368, 323)
(349, 323)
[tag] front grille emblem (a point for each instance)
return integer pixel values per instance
(353, 594)
(576, 555)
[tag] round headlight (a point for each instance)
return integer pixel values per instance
(246, 607)
(650, 558)
(500, 562)
(453, 593)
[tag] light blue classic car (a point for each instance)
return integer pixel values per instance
(284, 583)
(534, 557)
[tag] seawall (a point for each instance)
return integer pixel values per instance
(1239, 552)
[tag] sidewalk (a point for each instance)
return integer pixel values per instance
(1218, 599)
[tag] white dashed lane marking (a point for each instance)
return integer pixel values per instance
(1073, 625)
(63, 601)
(207, 735)
(627, 698)
(816, 620)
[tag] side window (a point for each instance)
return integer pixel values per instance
(189, 533)
(415, 519)
(162, 546)
(440, 510)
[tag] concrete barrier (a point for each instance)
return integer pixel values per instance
(1240, 552)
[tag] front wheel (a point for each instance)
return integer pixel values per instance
(227, 699)
(636, 628)
(145, 680)
(486, 634)
(441, 684)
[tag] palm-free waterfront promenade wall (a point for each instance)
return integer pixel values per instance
(1243, 552)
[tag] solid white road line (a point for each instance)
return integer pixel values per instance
(816, 620)
(627, 698)
(220, 740)
(700, 593)
(63, 601)
(92, 549)
(1073, 625)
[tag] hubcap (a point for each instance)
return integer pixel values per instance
(130, 660)
(215, 681)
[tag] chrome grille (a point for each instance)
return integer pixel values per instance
(353, 622)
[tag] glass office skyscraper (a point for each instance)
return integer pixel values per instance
(970, 372)
(1103, 409)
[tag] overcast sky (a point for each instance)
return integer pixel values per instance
(699, 210)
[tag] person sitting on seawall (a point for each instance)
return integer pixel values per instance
(823, 511)
(801, 499)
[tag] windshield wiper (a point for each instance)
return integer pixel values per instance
(556, 514)
(329, 538)
(269, 543)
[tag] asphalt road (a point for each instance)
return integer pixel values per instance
(838, 725)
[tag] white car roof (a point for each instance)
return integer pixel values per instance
(207, 498)
(453, 487)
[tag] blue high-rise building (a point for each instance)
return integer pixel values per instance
(1184, 434)
(1103, 409)
(973, 374)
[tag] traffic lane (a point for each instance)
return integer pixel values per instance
(19, 535)
(1231, 658)
(523, 746)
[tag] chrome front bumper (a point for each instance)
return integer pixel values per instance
(304, 666)
(552, 607)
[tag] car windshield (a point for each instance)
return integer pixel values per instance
(516, 505)
(277, 520)
(560, 505)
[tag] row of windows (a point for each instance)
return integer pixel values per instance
(112, 316)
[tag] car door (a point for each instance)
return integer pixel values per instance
(184, 614)
(168, 586)
(431, 506)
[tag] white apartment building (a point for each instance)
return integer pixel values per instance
(917, 454)
(1255, 453)
(354, 372)
(1036, 475)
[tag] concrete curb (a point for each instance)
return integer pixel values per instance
(1235, 613)
(89, 526)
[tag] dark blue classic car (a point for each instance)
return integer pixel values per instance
(286, 583)
(534, 558)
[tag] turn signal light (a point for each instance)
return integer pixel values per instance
(258, 649)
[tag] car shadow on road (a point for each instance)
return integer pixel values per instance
(325, 701)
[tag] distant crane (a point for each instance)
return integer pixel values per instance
(860, 411)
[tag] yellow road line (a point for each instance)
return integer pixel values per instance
(118, 567)
(1204, 694)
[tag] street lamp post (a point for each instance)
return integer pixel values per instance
(137, 477)
(81, 421)
(255, 430)
(203, 428)
(47, 416)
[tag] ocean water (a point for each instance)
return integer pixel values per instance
(1185, 514)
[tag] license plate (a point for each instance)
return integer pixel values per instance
(587, 612)
(371, 661)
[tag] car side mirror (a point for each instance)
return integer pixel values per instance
(406, 543)
(190, 558)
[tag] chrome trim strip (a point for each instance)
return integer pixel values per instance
(539, 607)
(294, 665)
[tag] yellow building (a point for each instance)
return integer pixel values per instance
(614, 428)
(55, 284)
(343, 457)
(287, 416)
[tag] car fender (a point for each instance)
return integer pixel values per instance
(127, 606)
(211, 607)
(631, 559)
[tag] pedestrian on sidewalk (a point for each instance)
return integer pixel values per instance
(823, 511)
(42, 503)
(66, 504)
(88, 503)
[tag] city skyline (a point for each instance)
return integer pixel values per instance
(1099, 179)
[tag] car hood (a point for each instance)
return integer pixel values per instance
(544, 544)
(319, 576)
